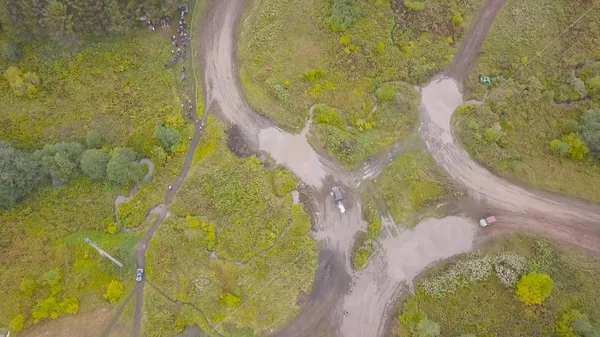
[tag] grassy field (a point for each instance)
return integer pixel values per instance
(465, 295)
(239, 210)
(342, 53)
(410, 185)
(116, 86)
(511, 133)
(120, 88)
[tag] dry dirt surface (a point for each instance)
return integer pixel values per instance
(517, 208)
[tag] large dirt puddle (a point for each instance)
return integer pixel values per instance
(294, 152)
(400, 260)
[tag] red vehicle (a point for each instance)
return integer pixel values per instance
(487, 221)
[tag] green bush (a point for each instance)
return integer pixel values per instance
(563, 324)
(414, 5)
(231, 300)
(313, 75)
(284, 182)
(457, 19)
(328, 116)
(534, 288)
(17, 323)
(94, 139)
(114, 291)
(168, 138)
(427, 328)
(386, 92)
(341, 15)
(12, 51)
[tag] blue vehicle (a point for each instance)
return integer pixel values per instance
(139, 275)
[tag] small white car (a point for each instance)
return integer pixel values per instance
(139, 275)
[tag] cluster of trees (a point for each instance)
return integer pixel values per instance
(579, 137)
(66, 21)
(21, 173)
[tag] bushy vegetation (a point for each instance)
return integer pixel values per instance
(217, 215)
(477, 302)
(541, 126)
(117, 87)
(352, 141)
(20, 174)
(365, 242)
(342, 51)
(410, 184)
(67, 21)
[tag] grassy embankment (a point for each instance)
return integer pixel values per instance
(466, 297)
(237, 209)
(511, 133)
(119, 87)
(341, 53)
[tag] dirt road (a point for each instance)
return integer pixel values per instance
(469, 50)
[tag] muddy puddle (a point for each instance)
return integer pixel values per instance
(440, 98)
(399, 260)
(294, 152)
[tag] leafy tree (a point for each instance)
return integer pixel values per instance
(12, 51)
(594, 85)
(17, 323)
(20, 174)
(122, 167)
(61, 159)
(93, 163)
(589, 127)
(169, 138)
(94, 139)
(58, 21)
(534, 288)
(428, 328)
(114, 291)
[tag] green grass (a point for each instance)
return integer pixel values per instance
(411, 184)
(117, 86)
(311, 64)
(523, 114)
(120, 88)
(365, 242)
(487, 308)
(247, 224)
(353, 141)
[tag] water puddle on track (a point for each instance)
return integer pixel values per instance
(295, 152)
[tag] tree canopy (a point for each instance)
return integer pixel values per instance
(93, 163)
(61, 159)
(589, 127)
(66, 20)
(122, 167)
(20, 174)
(169, 138)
